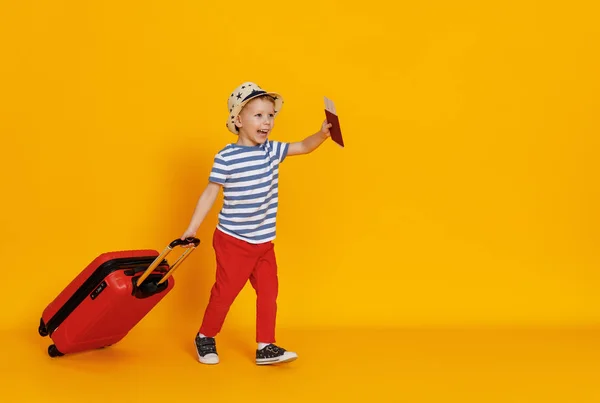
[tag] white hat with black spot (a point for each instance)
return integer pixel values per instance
(241, 96)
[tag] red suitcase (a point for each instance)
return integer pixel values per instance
(108, 298)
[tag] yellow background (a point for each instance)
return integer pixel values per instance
(467, 193)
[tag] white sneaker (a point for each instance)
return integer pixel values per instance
(272, 354)
(206, 348)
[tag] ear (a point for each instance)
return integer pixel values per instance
(238, 121)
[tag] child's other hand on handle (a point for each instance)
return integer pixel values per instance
(188, 234)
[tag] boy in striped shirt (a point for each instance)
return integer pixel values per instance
(248, 173)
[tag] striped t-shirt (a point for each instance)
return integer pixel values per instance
(249, 176)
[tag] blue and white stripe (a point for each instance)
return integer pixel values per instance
(250, 177)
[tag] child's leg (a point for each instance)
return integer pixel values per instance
(234, 266)
(265, 282)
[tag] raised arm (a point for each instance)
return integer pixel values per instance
(310, 143)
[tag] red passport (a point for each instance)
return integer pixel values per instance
(332, 117)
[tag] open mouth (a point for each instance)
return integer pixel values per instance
(263, 132)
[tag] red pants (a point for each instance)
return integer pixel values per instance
(237, 262)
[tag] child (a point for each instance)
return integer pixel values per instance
(248, 172)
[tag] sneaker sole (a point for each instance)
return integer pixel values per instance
(200, 358)
(271, 361)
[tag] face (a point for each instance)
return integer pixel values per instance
(256, 121)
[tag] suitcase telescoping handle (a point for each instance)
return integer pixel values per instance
(165, 252)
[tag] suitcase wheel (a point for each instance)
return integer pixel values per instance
(53, 351)
(42, 329)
